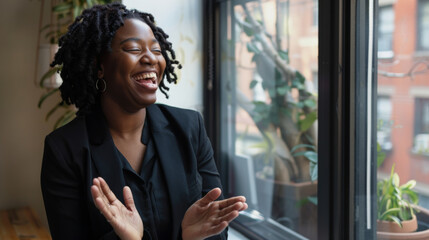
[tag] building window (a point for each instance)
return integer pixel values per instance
(315, 13)
(386, 26)
(421, 126)
(423, 25)
(384, 128)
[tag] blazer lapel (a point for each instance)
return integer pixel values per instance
(167, 147)
(104, 155)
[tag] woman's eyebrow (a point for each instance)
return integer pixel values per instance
(154, 40)
(130, 39)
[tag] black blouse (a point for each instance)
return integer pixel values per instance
(149, 190)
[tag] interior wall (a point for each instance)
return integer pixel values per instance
(23, 127)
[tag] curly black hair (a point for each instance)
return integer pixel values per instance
(86, 39)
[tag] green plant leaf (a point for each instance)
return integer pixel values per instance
(65, 118)
(409, 185)
(395, 179)
(306, 123)
(46, 95)
(253, 84)
(380, 155)
(77, 10)
(49, 74)
(285, 111)
(45, 27)
(302, 146)
(272, 92)
(299, 77)
(58, 105)
(251, 47)
(395, 219)
(282, 90)
(313, 200)
(389, 212)
(311, 103)
(62, 7)
(313, 171)
(255, 57)
(312, 156)
(283, 55)
(248, 30)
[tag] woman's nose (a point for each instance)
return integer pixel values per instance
(148, 58)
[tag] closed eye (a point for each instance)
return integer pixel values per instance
(133, 50)
(157, 50)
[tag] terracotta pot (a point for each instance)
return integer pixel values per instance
(422, 232)
(389, 226)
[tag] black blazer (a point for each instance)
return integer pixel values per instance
(84, 149)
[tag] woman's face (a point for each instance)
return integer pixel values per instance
(134, 68)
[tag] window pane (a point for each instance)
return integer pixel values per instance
(385, 28)
(269, 113)
(423, 21)
(403, 112)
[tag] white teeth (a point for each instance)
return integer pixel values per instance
(145, 76)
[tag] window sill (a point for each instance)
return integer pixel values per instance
(421, 53)
(259, 228)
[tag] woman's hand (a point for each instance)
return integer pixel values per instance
(125, 220)
(207, 217)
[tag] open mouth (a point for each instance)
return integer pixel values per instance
(147, 79)
(149, 76)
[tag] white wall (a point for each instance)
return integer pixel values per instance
(182, 21)
(22, 124)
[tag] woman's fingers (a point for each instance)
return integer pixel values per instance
(210, 196)
(227, 217)
(101, 204)
(231, 201)
(217, 229)
(238, 206)
(106, 190)
(128, 198)
(101, 194)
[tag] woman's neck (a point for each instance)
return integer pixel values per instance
(122, 123)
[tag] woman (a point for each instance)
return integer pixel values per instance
(126, 167)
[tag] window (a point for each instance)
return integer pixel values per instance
(407, 105)
(421, 126)
(316, 13)
(268, 113)
(386, 26)
(384, 122)
(423, 25)
(362, 101)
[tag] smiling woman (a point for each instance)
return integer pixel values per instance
(107, 173)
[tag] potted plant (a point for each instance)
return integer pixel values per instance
(62, 15)
(396, 204)
(398, 213)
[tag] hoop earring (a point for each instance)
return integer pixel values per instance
(104, 83)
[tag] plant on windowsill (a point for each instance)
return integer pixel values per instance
(63, 14)
(396, 203)
(398, 215)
